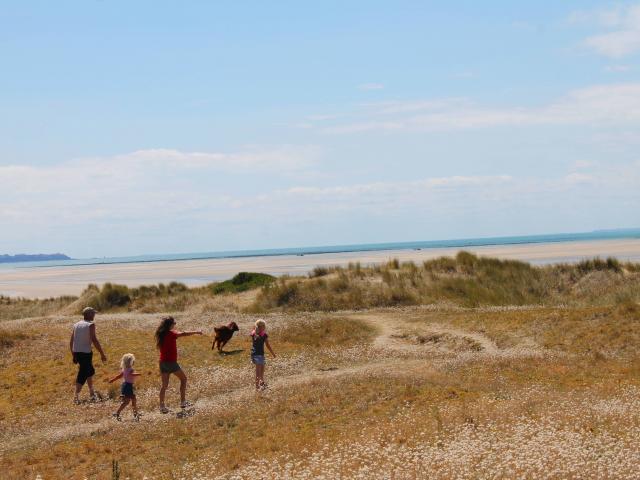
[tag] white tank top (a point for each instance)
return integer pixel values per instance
(82, 336)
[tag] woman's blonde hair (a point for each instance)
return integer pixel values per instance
(260, 323)
(127, 360)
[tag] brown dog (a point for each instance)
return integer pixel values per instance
(223, 335)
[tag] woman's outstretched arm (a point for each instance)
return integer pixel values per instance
(188, 333)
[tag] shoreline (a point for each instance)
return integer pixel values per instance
(53, 281)
(463, 243)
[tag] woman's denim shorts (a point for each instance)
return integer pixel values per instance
(258, 359)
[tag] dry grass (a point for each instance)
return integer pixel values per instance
(436, 391)
(465, 280)
(444, 393)
(14, 308)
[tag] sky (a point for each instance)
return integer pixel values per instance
(154, 127)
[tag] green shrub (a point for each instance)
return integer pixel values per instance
(241, 282)
(108, 297)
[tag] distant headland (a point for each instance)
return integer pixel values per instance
(38, 257)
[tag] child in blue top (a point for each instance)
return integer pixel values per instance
(260, 339)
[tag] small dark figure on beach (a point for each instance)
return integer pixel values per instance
(80, 344)
(223, 335)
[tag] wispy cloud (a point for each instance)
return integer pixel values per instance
(154, 182)
(404, 188)
(371, 86)
(618, 68)
(622, 25)
(608, 105)
(284, 158)
(159, 198)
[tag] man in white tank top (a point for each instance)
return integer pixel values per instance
(82, 337)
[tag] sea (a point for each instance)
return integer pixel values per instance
(596, 235)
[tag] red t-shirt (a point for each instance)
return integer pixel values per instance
(169, 349)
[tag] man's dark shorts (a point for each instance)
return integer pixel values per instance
(85, 366)
(169, 367)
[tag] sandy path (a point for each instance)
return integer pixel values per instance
(443, 347)
(204, 406)
(397, 334)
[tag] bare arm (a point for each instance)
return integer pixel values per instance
(192, 332)
(266, 342)
(116, 378)
(96, 342)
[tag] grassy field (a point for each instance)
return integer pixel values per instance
(511, 382)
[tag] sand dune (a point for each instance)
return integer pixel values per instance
(39, 282)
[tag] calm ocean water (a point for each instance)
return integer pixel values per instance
(459, 243)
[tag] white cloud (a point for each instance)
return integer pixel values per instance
(143, 202)
(623, 37)
(371, 86)
(582, 164)
(140, 184)
(579, 178)
(399, 188)
(600, 105)
(618, 68)
(615, 44)
(283, 158)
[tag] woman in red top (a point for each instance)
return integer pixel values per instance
(166, 342)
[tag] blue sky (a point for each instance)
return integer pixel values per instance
(152, 127)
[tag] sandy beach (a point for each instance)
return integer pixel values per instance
(42, 282)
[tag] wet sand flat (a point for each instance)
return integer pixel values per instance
(40, 282)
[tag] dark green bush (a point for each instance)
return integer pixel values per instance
(242, 282)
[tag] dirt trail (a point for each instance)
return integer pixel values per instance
(414, 344)
(424, 339)
(210, 405)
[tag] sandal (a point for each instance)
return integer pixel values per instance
(164, 410)
(116, 416)
(186, 404)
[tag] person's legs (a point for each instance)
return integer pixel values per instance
(85, 373)
(125, 402)
(76, 397)
(163, 388)
(259, 375)
(81, 377)
(92, 393)
(134, 405)
(183, 385)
